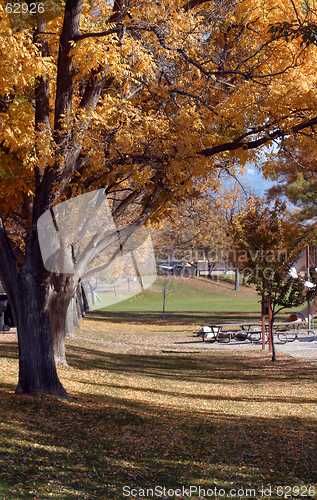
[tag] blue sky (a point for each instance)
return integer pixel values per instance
(255, 180)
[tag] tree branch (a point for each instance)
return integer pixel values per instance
(192, 4)
(119, 11)
(8, 261)
(237, 144)
(124, 203)
(82, 36)
(70, 30)
(42, 107)
(97, 81)
(147, 211)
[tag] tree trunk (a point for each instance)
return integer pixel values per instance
(85, 299)
(93, 293)
(236, 285)
(76, 310)
(273, 343)
(27, 288)
(164, 300)
(80, 301)
(62, 323)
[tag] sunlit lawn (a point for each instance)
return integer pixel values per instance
(153, 409)
(187, 294)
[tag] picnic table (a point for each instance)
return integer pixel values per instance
(285, 331)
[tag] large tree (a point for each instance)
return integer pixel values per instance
(102, 96)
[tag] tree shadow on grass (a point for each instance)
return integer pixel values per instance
(191, 367)
(62, 450)
(150, 317)
(201, 397)
(93, 449)
(9, 350)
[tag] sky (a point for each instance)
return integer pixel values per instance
(255, 180)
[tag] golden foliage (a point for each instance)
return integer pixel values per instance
(177, 82)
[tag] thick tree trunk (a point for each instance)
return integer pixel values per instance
(93, 293)
(65, 310)
(37, 370)
(86, 306)
(27, 289)
(62, 322)
(76, 311)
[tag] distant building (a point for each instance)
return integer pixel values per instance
(175, 267)
(202, 268)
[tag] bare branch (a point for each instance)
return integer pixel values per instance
(297, 15)
(237, 144)
(192, 4)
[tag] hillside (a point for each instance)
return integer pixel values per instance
(192, 295)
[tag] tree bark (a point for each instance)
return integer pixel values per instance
(37, 370)
(61, 314)
(85, 298)
(76, 311)
(61, 318)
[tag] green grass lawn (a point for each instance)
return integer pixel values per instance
(151, 411)
(193, 300)
(189, 295)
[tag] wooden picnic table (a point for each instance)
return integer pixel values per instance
(224, 332)
(252, 330)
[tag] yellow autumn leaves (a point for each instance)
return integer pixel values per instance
(177, 82)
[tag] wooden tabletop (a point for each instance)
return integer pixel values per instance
(257, 323)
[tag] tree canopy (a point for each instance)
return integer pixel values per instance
(102, 96)
(266, 246)
(195, 230)
(296, 177)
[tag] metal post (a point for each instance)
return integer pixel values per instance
(308, 276)
(263, 323)
(270, 330)
(236, 285)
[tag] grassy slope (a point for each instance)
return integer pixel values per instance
(192, 294)
(199, 301)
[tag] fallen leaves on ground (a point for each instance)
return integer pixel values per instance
(146, 418)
